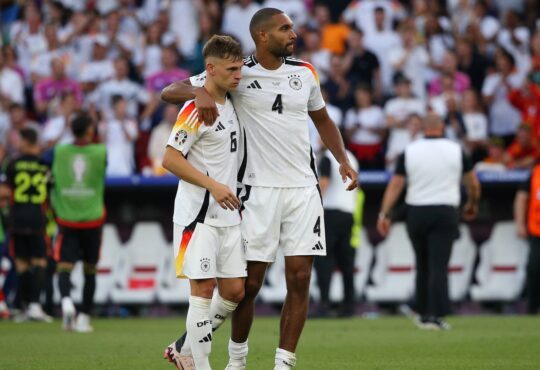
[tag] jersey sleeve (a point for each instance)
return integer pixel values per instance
(186, 129)
(198, 80)
(316, 101)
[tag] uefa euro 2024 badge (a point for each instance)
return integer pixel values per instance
(181, 136)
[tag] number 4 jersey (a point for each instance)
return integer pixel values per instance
(27, 177)
(213, 150)
(273, 108)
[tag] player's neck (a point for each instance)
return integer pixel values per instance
(268, 60)
(215, 91)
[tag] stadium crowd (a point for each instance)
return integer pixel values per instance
(382, 64)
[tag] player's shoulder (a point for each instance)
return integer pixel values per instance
(295, 63)
(250, 61)
(188, 117)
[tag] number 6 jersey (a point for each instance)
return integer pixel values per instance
(273, 107)
(213, 150)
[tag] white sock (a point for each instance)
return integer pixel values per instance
(238, 352)
(199, 328)
(220, 309)
(285, 360)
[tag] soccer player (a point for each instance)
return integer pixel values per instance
(78, 170)
(27, 177)
(207, 238)
(281, 204)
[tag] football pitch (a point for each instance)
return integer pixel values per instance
(488, 342)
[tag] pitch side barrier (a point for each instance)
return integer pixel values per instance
(138, 264)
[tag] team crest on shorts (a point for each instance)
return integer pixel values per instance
(205, 264)
(294, 82)
(181, 136)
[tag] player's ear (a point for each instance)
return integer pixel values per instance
(210, 69)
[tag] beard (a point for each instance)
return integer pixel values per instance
(281, 51)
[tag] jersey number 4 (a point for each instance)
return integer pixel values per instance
(278, 105)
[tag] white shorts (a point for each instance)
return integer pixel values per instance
(206, 252)
(290, 218)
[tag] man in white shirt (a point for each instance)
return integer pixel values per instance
(236, 19)
(273, 102)
(11, 85)
(58, 129)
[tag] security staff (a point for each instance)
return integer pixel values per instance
(431, 169)
(527, 216)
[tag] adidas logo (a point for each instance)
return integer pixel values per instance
(220, 126)
(255, 85)
(318, 247)
(206, 339)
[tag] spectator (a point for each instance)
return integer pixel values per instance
(527, 100)
(319, 57)
(449, 66)
(333, 35)
(535, 51)
(148, 56)
(236, 18)
(119, 133)
(365, 129)
(366, 15)
(473, 64)
(58, 129)
(10, 60)
(18, 120)
(99, 68)
(363, 65)
(411, 59)
(489, 26)
(159, 137)
(337, 85)
(11, 85)
(398, 145)
(495, 158)
(476, 126)
(515, 38)
(296, 9)
(41, 64)
(46, 90)
(504, 118)
(381, 42)
(524, 151)
(168, 73)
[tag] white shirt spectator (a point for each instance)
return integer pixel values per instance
(296, 9)
(11, 85)
(476, 125)
(236, 22)
(129, 90)
(369, 118)
(414, 68)
(362, 14)
(97, 71)
(184, 24)
(56, 131)
(158, 141)
(503, 116)
(120, 154)
(381, 44)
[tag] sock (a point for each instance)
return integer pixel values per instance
(64, 283)
(199, 328)
(238, 352)
(38, 279)
(24, 286)
(284, 359)
(220, 309)
(88, 293)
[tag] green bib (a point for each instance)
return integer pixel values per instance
(79, 182)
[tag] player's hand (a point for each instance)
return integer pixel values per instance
(346, 171)
(224, 196)
(206, 106)
(522, 231)
(383, 225)
(470, 211)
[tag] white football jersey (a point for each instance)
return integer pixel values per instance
(212, 150)
(273, 107)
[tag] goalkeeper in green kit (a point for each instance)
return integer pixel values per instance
(78, 171)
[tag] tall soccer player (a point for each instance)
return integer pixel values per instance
(207, 238)
(281, 204)
(27, 177)
(78, 200)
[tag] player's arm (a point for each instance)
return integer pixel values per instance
(472, 186)
(182, 91)
(520, 212)
(331, 138)
(175, 162)
(391, 195)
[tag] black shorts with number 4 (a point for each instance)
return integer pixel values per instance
(74, 244)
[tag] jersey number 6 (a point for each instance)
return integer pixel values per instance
(234, 144)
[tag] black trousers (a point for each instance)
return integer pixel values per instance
(338, 253)
(533, 276)
(432, 230)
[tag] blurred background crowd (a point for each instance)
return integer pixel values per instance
(383, 65)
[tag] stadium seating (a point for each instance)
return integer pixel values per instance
(501, 272)
(110, 259)
(461, 265)
(394, 270)
(172, 290)
(145, 260)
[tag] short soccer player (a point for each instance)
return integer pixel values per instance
(77, 198)
(207, 240)
(282, 206)
(27, 177)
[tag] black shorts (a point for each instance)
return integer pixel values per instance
(74, 244)
(28, 246)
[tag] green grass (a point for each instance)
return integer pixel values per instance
(496, 342)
